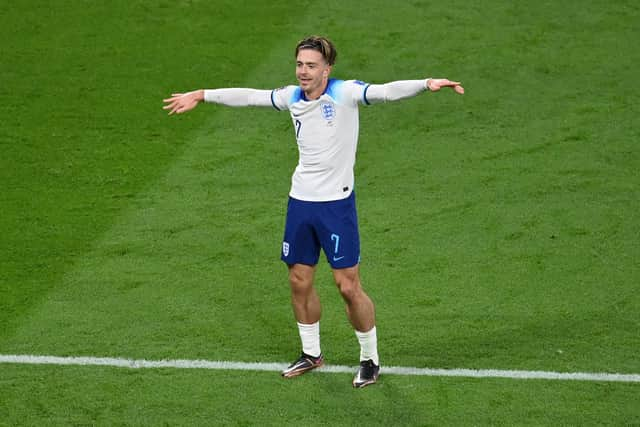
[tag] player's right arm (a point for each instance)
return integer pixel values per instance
(232, 97)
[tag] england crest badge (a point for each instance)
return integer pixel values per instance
(328, 111)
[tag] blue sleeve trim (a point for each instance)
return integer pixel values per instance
(273, 102)
(333, 87)
(364, 95)
(297, 95)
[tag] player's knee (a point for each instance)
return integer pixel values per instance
(296, 281)
(299, 281)
(349, 288)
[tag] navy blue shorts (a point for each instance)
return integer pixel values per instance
(332, 226)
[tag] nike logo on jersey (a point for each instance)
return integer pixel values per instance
(337, 258)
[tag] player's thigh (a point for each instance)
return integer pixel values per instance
(300, 244)
(339, 234)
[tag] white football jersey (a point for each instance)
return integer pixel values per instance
(326, 128)
(326, 131)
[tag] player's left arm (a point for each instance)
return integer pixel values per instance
(401, 89)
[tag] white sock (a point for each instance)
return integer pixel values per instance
(368, 345)
(310, 337)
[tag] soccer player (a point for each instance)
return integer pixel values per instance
(322, 207)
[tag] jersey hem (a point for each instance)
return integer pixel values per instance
(332, 198)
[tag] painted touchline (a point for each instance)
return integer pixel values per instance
(277, 367)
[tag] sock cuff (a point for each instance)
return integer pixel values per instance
(369, 333)
(309, 327)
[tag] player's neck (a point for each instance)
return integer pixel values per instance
(317, 93)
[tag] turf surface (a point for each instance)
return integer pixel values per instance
(499, 228)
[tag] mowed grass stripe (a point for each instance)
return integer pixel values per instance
(71, 173)
(277, 367)
(167, 273)
(178, 231)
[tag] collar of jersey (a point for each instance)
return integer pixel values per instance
(329, 83)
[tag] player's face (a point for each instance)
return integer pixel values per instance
(312, 72)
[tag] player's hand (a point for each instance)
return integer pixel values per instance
(182, 102)
(437, 84)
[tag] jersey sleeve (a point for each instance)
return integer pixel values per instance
(238, 97)
(355, 91)
(394, 91)
(283, 97)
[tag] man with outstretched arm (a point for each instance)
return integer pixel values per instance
(321, 210)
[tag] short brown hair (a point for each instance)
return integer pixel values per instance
(322, 45)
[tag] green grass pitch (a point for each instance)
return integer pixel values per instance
(500, 229)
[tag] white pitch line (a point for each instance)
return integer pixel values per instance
(277, 367)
